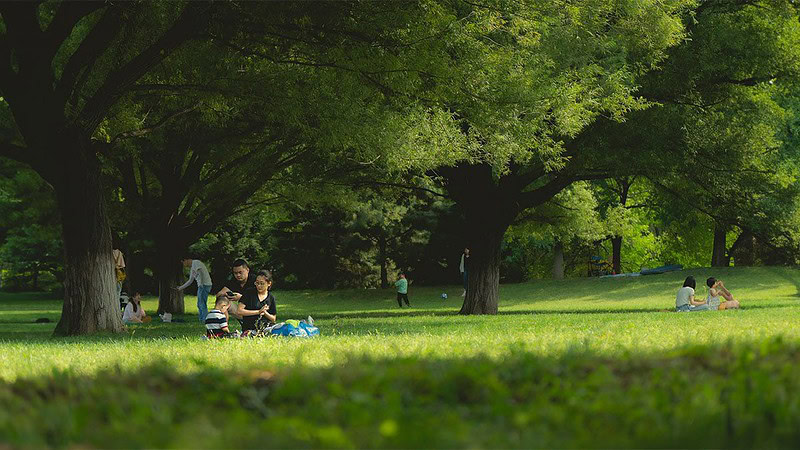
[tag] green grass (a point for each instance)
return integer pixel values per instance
(564, 363)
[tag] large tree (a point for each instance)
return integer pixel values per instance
(733, 53)
(583, 64)
(711, 142)
(63, 65)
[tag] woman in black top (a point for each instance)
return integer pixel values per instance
(258, 302)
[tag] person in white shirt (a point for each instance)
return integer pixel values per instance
(464, 269)
(685, 300)
(134, 313)
(199, 273)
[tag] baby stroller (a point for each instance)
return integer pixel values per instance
(123, 300)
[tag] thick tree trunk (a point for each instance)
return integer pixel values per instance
(616, 254)
(170, 299)
(743, 250)
(483, 279)
(90, 303)
(558, 260)
(382, 261)
(489, 206)
(718, 254)
(169, 274)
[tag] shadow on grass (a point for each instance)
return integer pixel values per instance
(512, 312)
(783, 274)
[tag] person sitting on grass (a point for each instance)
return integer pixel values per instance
(258, 303)
(241, 280)
(134, 313)
(685, 300)
(402, 290)
(717, 289)
(217, 319)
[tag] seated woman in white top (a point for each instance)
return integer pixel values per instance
(717, 289)
(134, 313)
(685, 300)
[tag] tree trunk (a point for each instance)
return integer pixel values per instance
(624, 185)
(483, 277)
(169, 274)
(382, 261)
(170, 299)
(616, 253)
(489, 206)
(134, 274)
(719, 251)
(743, 250)
(558, 260)
(90, 303)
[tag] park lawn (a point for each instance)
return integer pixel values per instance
(564, 363)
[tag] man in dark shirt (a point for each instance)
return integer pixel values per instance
(237, 285)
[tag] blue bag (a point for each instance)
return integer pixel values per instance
(301, 330)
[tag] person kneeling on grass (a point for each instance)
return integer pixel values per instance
(134, 313)
(217, 320)
(717, 289)
(258, 303)
(685, 300)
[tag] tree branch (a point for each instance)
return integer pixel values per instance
(67, 16)
(397, 185)
(544, 193)
(15, 152)
(123, 77)
(89, 50)
(157, 125)
(8, 78)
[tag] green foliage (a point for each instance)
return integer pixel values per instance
(30, 230)
(712, 143)
(570, 218)
(350, 242)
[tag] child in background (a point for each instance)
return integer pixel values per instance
(717, 289)
(217, 319)
(134, 313)
(402, 290)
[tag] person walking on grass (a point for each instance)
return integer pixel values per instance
(402, 290)
(199, 273)
(685, 299)
(464, 269)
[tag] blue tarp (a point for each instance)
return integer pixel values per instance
(301, 330)
(662, 269)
